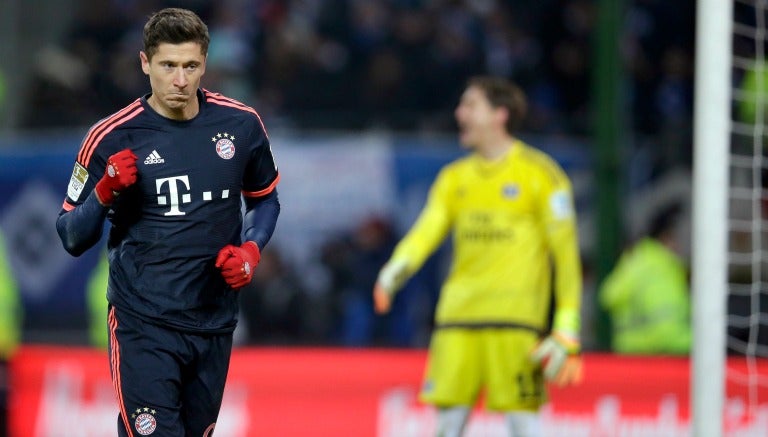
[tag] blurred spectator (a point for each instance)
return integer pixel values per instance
(647, 295)
(657, 50)
(230, 51)
(567, 39)
(353, 261)
(753, 87)
(73, 81)
(96, 301)
(275, 308)
(2, 91)
(674, 107)
(11, 317)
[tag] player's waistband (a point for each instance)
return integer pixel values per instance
(488, 325)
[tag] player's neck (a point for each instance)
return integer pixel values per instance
(188, 112)
(496, 149)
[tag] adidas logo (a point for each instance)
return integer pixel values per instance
(154, 158)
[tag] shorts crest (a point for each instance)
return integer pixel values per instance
(144, 420)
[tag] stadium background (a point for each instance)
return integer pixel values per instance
(358, 99)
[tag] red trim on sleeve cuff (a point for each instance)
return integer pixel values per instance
(265, 191)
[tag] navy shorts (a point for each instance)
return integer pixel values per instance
(168, 383)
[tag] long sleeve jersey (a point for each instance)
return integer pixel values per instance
(167, 228)
(513, 225)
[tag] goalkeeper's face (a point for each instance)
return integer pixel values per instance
(175, 71)
(478, 121)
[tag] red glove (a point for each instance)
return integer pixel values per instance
(120, 174)
(237, 263)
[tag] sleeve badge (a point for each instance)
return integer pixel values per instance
(77, 182)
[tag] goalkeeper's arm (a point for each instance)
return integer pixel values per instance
(420, 242)
(559, 353)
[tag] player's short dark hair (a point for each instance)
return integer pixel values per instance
(665, 220)
(503, 93)
(174, 26)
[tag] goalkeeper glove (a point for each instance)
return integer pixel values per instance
(237, 263)
(559, 355)
(120, 174)
(391, 278)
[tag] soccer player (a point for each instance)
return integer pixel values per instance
(509, 208)
(168, 172)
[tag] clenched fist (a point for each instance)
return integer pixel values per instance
(237, 263)
(120, 174)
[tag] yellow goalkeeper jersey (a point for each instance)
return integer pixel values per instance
(513, 225)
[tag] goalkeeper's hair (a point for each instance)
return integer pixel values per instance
(665, 220)
(504, 93)
(174, 26)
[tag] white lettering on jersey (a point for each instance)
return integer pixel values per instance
(173, 194)
(175, 198)
(77, 182)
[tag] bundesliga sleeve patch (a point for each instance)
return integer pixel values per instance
(77, 181)
(560, 204)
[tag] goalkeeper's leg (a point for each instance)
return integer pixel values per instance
(451, 421)
(523, 424)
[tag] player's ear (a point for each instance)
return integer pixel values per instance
(502, 115)
(144, 62)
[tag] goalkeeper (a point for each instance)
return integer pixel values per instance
(509, 208)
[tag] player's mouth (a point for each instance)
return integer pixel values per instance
(178, 97)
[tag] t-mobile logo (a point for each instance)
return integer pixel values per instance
(174, 197)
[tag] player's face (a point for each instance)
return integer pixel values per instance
(174, 74)
(476, 118)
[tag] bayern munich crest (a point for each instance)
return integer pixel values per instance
(225, 146)
(144, 421)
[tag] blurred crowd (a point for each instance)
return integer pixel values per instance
(395, 64)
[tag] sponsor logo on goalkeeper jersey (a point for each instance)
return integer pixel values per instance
(486, 234)
(225, 144)
(510, 191)
(154, 158)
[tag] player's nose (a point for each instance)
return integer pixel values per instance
(180, 78)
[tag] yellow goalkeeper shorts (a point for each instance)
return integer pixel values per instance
(465, 363)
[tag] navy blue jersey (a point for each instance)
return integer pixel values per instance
(168, 227)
